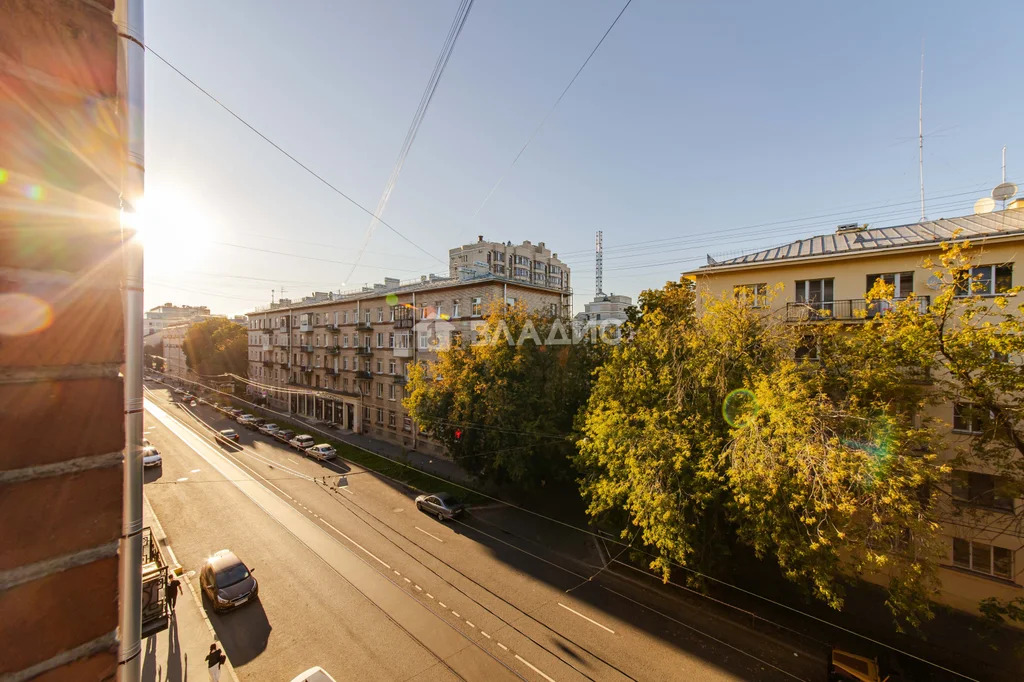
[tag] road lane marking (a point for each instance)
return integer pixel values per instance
(396, 572)
(345, 489)
(503, 646)
(406, 579)
(470, 624)
(456, 613)
(485, 634)
(533, 667)
(430, 595)
(183, 478)
(195, 471)
(442, 605)
(426, 533)
(418, 588)
(374, 556)
(585, 618)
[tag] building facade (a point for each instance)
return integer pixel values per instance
(526, 263)
(169, 314)
(345, 359)
(827, 277)
(604, 308)
(174, 351)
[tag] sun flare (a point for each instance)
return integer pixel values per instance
(173, 227)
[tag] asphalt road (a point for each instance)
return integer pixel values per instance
(355, 579)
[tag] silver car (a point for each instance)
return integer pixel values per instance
(441, 505)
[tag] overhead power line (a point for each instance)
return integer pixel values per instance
(551, 110)
(414, 127)
(281, 149)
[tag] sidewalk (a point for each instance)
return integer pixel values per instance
(178, 653)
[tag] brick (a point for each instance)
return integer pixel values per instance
(49, 517)
(56, 613)
(62, 320)
(55, 421)
(101, 666)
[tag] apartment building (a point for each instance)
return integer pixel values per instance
(826, 277)
(345, 358)
(526, 262)
(168, 314)
(174, 350)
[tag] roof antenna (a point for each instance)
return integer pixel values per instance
(920, 132)
(599, 262)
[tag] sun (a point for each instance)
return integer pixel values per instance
(174, 228)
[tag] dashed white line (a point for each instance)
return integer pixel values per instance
(345, 489)
(456, 613)
(428, 534)
(585, 618)
(375, 557)
(406, 579)
(430, 595)
(442, 605)
(503, 646)
(485, 634)
(183, 478)
(470, 624)
(397, 573)
(533, 667)
(418, 588)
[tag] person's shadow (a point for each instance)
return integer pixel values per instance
(176, 670)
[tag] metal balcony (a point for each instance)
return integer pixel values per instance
(305, 369)
(306, 348)
(404, 323)
(333, 350)
(268, 363)
(364, 350)
(331, 327)
(306, 327)
(400, 379)
(845, 310)
(363, 374)
(330, 371)
(364, 326)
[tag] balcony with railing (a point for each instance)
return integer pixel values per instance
(305, 369)
(306, 348)
(283, 364)
(403, 352)
(845, 310)
(333, 350)
(363, 326)
(306, 327)
(330, 371)
(363, 374)
(404, 322)
(267, 362)
(400, 379)
(364, 350)
(331, 327)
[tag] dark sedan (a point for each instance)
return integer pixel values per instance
(226, 581)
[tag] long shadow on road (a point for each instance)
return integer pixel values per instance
(243, 632)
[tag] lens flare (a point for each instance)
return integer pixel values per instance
(34, 192)
(23, 314)
(4, 175)
(391, 299)
(739, 407)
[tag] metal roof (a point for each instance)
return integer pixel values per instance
(998, 223)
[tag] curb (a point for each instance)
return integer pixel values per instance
(178, 571)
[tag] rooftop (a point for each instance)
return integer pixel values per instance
(849, 241)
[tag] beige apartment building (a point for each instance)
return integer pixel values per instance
(827, 276)
(174, 350)
(345, 358)
(527, 263)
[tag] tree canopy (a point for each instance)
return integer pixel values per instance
(217, 346)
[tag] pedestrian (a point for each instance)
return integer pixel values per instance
(172, 591)
(214, 660)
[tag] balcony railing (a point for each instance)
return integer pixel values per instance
(332, 372)
(331, 327)
(268, 363)
(305, 327)
(333, 350)
(400, 379)
(364, 326)
(363, 374)
(364, 350)
(845, 310)
(404, 323)
(306, 348)
(283, 364)
(305, 369)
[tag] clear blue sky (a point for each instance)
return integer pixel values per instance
(691, 121)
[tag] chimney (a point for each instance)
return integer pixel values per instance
(849, 227)
(479, 238)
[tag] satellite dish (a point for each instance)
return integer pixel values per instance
(933, 283)
(1004, 191)
(984, 205)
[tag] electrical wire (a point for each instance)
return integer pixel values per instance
(297, 162)
(414, 127)
(550, 111)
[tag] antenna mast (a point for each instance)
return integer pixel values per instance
(1004, 163)
(599, 258)
(920, 131)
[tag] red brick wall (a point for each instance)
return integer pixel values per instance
(61, 340)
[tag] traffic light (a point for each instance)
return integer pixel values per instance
(458, 434)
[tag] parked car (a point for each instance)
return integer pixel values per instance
(234, 412)
(244, 419)
(284, 435)
(302, 443)
(151, 457)
(226, 581)
(314, 674)
(269, 429)
(441, 505)
(323, 452)
(229, 434)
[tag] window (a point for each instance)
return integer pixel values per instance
(807, 349)
(902, 282)
(392, 318)
(983, 490)
(510, 301)
(344, 317)
(969, 418)
(344, 362)
(987, 280)
(391, 366)
(380, 366)
(391, 393)
(407, 423)
(380, 390)
(756, 294)
(380, 339)
(366, 413)
(391, 419)
(423, 311)
(477, 307)
(983, 558)
(455, 308)
(380, 314)
(344, 340)
(391, 339)
(380, 415)
(424, 341)
(815, 292)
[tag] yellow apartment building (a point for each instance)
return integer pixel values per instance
(827, 276)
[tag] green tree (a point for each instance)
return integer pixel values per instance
(153, 354)
(503, 404)
(217, 346)
(708, 430)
